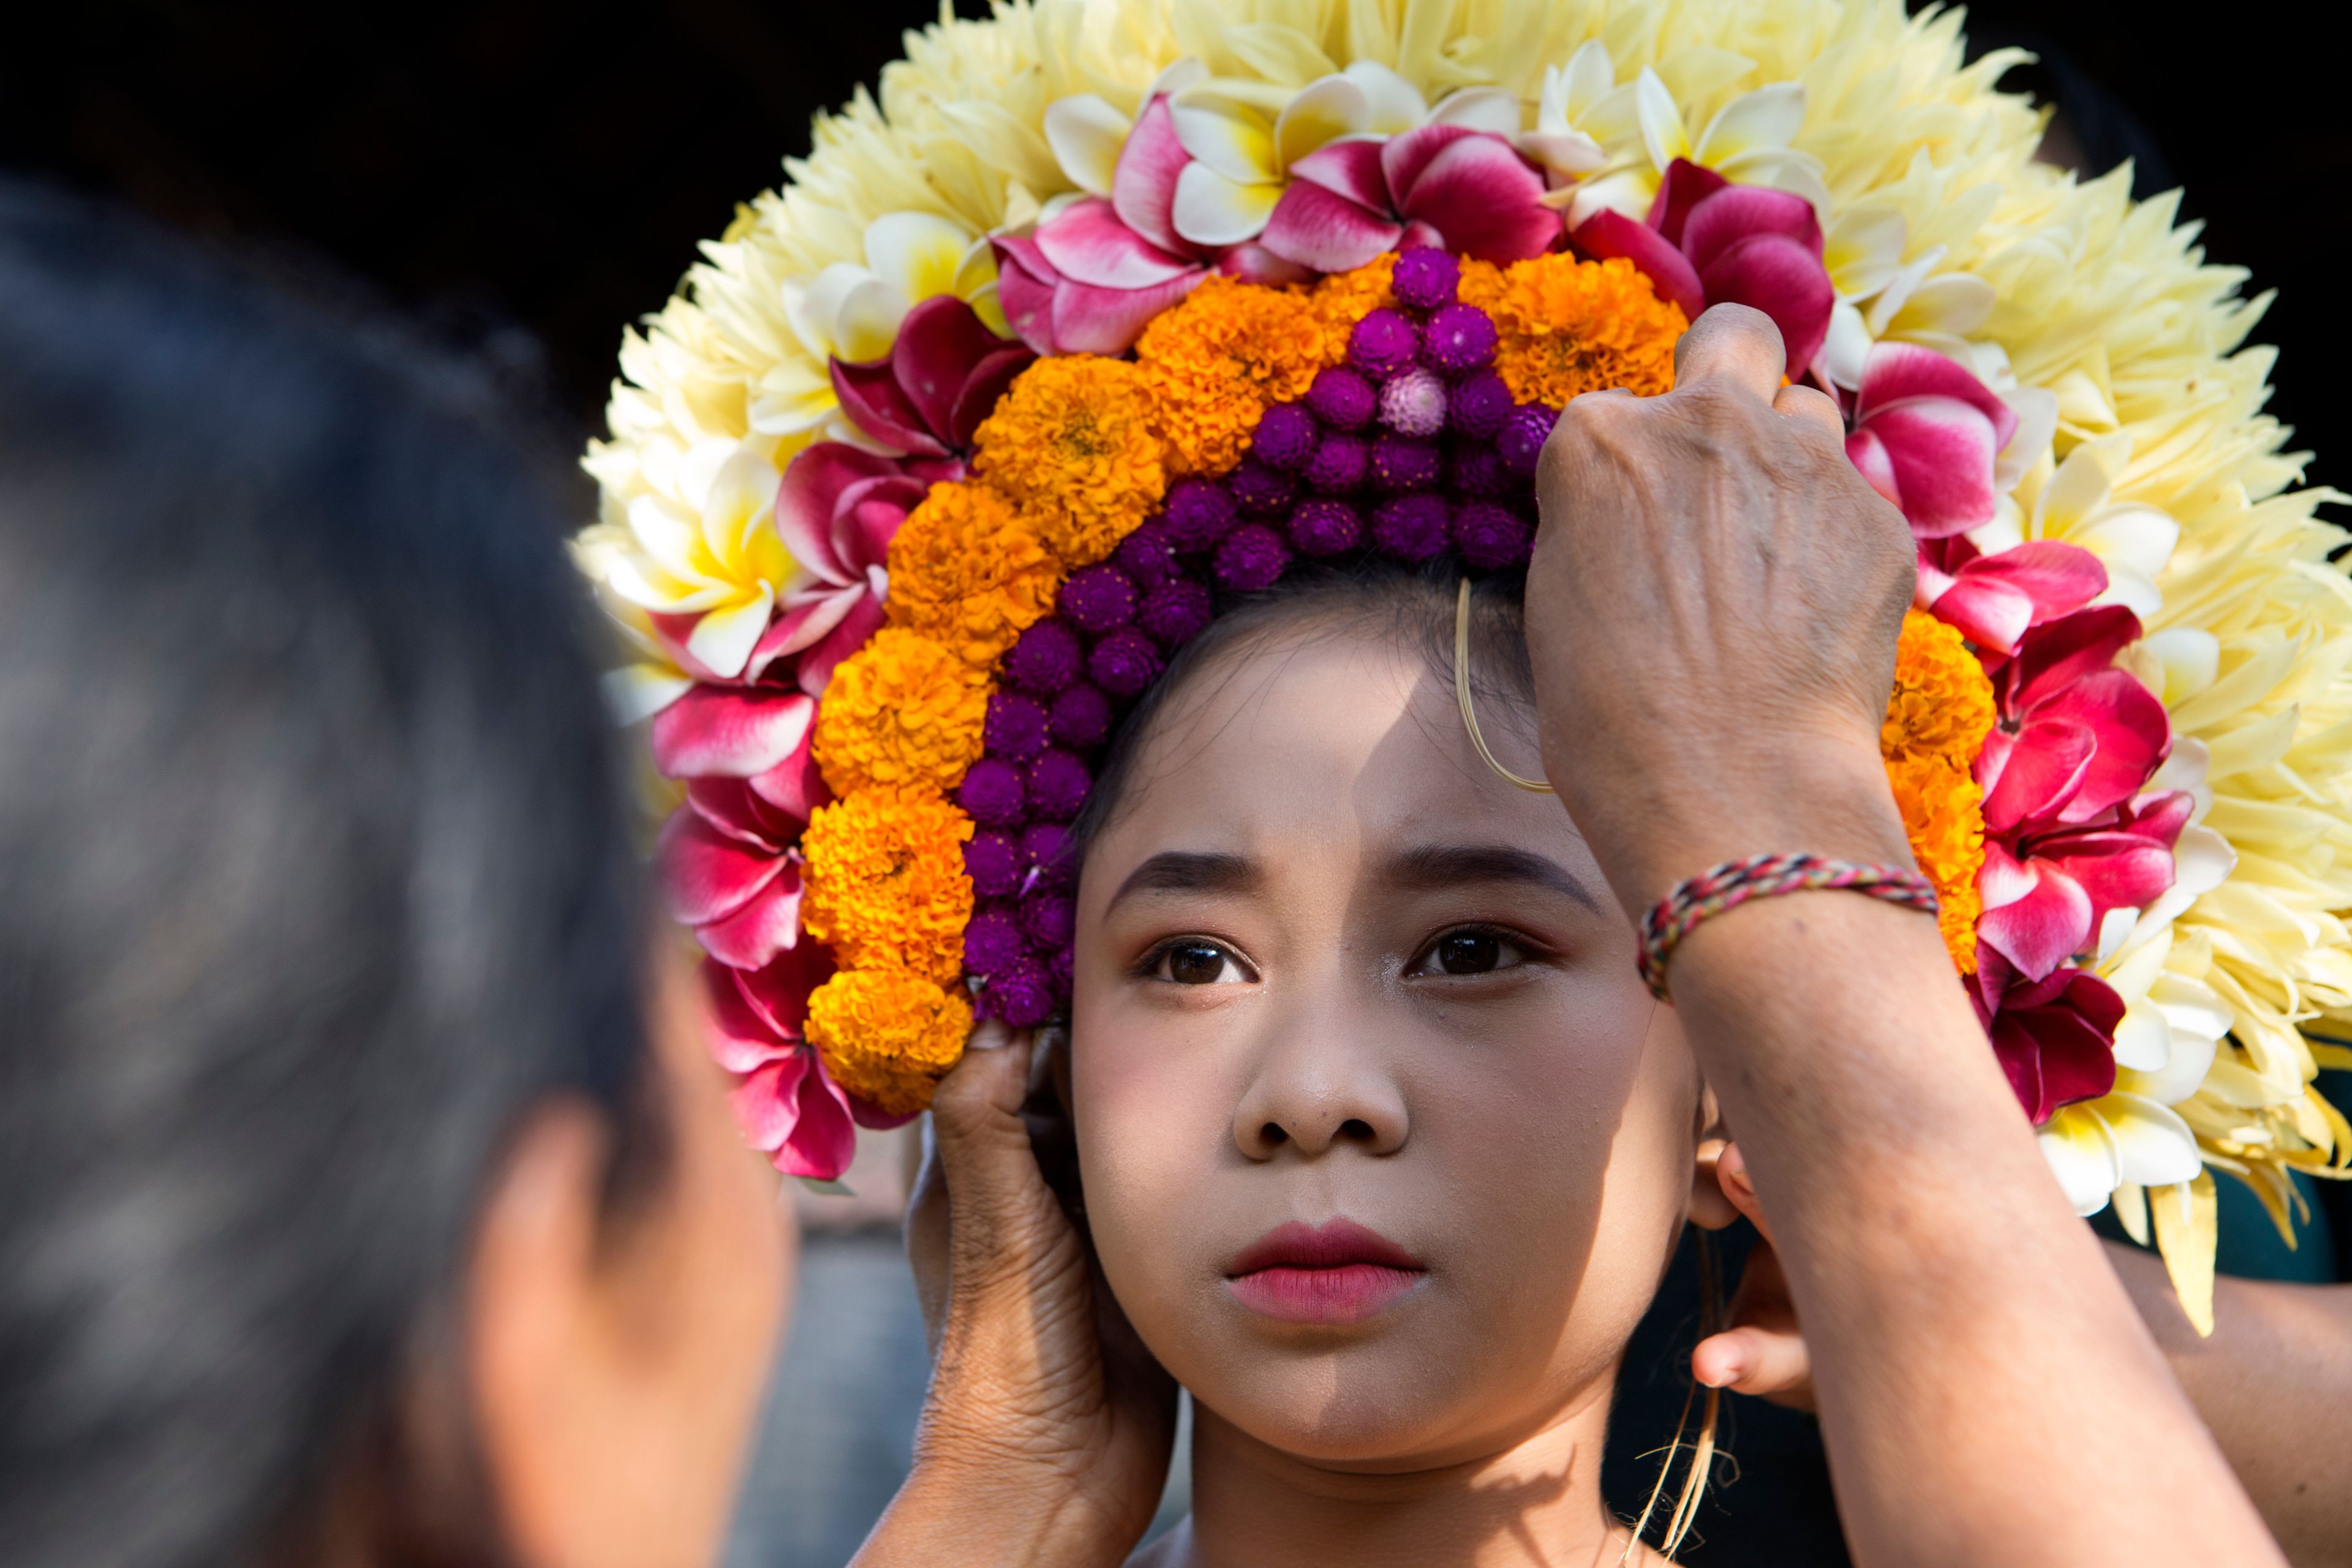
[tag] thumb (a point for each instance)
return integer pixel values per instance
(1000, 1210)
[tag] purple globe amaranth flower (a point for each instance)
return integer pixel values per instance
(1199, 513)
(1081, 716)
(1425, 278)
(1058, 783)
(993, 941)
(990, 793)
(1015, 726)
(1259, 490)
(1048, 920)
(1411, 528)
(1285, 437)
(1324, 528)
(1384, 343)
(1413, 404)
(1045, 846)
(1021, 995)
(1337, 466)
(1147, 555)
(1476, 471)
(1252, 557)
(1457, 339)
(1099, 598)
(1477, 406)
(1046, 658)
(1176, 611)
(1401, 465)
(1342, 399)
(1523, 437)
(995, 863)
(1124, 663)
(1491, 537)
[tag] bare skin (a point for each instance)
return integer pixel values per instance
(1946, 1282)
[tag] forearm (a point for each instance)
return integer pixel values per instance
(946, 1514)
(1968, 1335)
(2275, 1384)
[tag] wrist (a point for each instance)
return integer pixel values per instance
(952, 1512)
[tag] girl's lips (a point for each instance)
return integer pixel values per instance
(1337, 1272)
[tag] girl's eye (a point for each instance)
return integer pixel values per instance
(1471, 952)
(1197, 962)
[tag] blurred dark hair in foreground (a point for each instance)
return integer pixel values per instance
(313, 877)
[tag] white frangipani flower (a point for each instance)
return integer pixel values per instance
(709, 550)
(2133, 540)
(1746, 142)
(2096, 1145)
(1561, 142)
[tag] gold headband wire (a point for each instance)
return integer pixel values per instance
(1462, 695)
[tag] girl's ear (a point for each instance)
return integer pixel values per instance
(1709, 1208)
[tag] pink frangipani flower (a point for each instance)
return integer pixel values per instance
(1446, 185)
(2046, 896)
(837, 511)
(2055, 1037)
(1926, 435)
(2074, 737)
(1995, 599)
(786, 1104)
(1707, 241)
(943, 374)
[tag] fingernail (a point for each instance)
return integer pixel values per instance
(1730, 1166)
(989, 1036)
(1723, 1378)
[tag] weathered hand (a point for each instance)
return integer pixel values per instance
(1711, 610)
(1046, 1433)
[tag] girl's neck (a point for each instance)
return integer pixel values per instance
(1538, 1502)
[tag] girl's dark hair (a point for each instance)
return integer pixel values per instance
(1413, 606)
(314, 878)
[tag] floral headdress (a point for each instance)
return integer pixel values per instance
(1109, 310)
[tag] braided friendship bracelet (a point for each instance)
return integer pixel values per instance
(1734, 882)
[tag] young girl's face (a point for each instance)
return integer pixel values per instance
(1384, 1142)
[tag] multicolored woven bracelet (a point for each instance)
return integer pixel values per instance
(1733, 883)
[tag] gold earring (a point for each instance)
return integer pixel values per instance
(1462, 695)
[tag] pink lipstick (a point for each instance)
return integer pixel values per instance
(1336, 1272)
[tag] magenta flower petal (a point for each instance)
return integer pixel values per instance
(706, 875)
(2133, 736)
(764, 927)
(1781, 278)
(877, 403)
(1607, 234)
(1993, 599)
(742, 1039)
(809, 616)
(939, 342)
(1024, 288)
(728, 805)
(848, 635)
(1088, 244)
(2032, 773)
(1089, 321)
(729, 733)
(983, 384)
(1324, 232)
(2114, 870)
(778, 993)
(1940, 453)
(1143, 185)
(1684, 187)
(794, 788)
(767, 1103)
(2032, 917)
(824, 1138)
(1733, 213)
(1352, 170)
(1485, 200)
(805, 503)
(1254, 263)
(2056, 655)
(1898, 372)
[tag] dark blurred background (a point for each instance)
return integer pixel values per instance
(524, 176)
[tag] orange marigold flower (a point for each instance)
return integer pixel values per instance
(1943, 702)
(1937, 721)
(1215, 361)
(970, 572)
(885, 884)
(1344, 299)
(887, 1037)
(1565, 326)
(1075, 445)
(902, 710)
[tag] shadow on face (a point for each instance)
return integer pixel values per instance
(1384, 1142)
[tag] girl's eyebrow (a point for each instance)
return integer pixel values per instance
(1189, 871)
(1427, 866)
